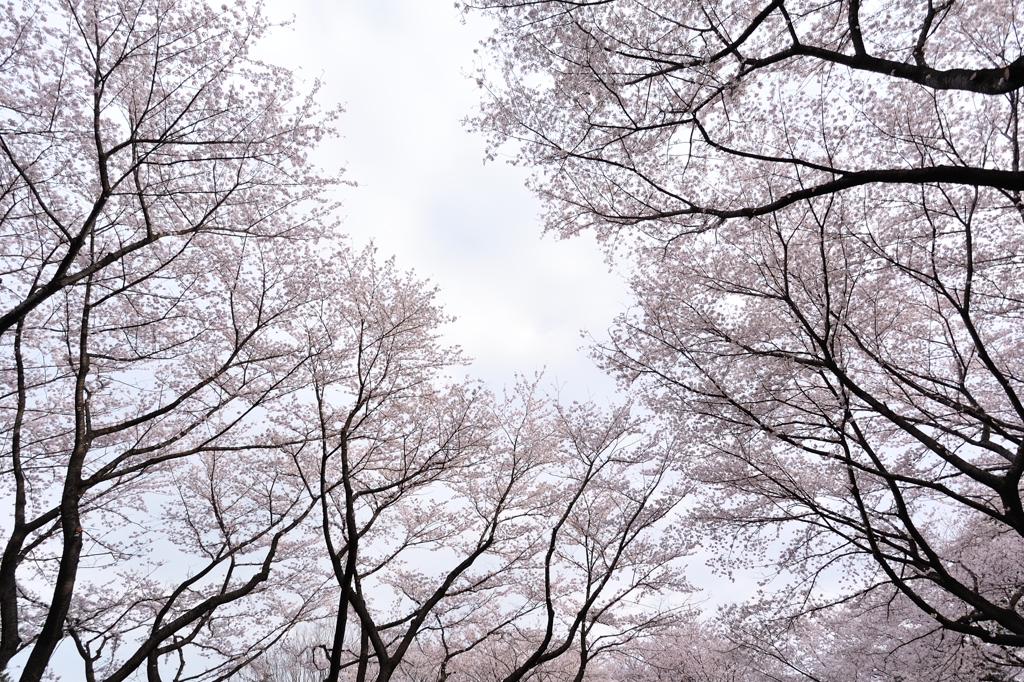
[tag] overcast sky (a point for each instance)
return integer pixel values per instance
(400, 68)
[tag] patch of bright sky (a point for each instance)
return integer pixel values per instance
(400, 69)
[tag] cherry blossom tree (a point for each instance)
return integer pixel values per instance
(465, 533)
(822, 201)
(158, 218)
(858, 383)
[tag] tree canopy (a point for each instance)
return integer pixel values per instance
(235, 446)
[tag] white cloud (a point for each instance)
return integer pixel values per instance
(399, 67)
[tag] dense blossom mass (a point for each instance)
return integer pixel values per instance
(823, 204)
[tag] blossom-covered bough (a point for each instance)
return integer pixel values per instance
(674, 116)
